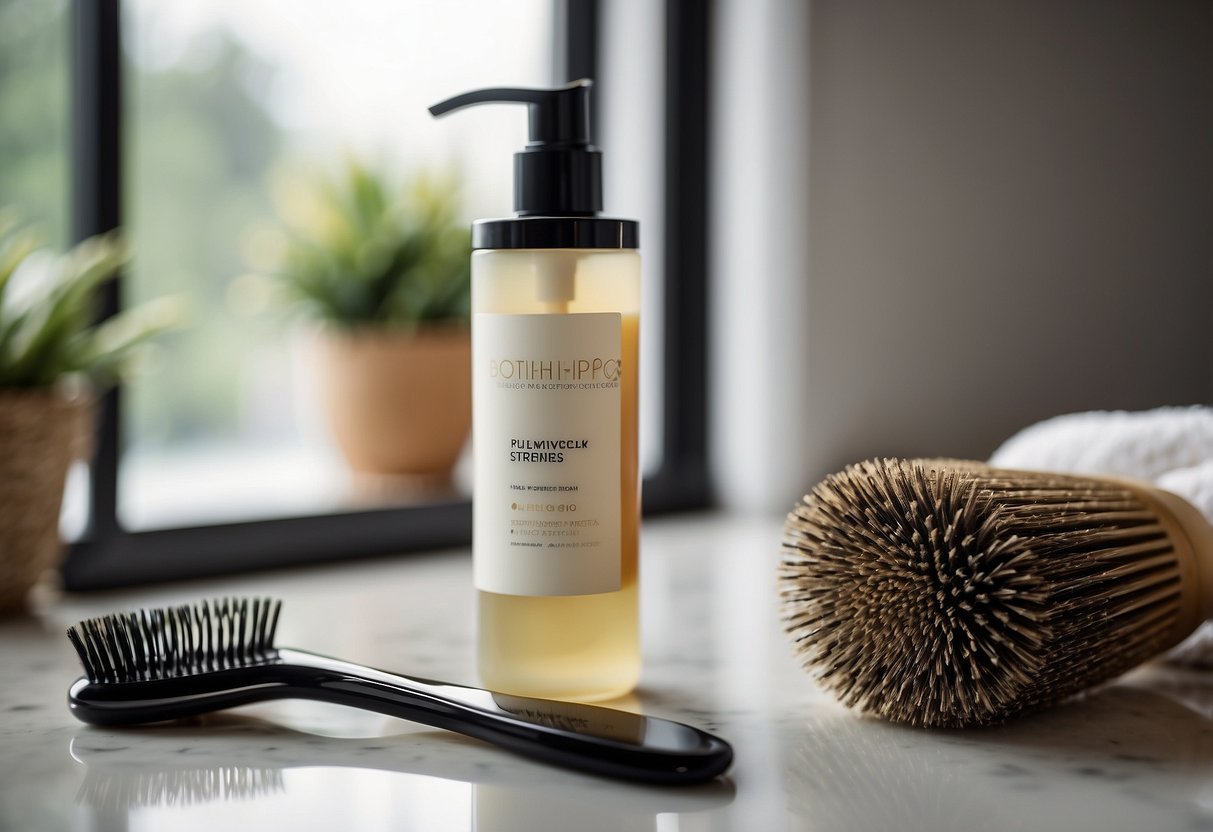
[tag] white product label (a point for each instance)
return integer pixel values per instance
(547, 416)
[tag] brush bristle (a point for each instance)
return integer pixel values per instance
(176, 641)
(950, 594)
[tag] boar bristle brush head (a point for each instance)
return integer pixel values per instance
(947, 594)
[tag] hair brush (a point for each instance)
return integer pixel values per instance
(170, 663)
(947, 593)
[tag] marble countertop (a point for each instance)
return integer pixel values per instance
(1137, 755)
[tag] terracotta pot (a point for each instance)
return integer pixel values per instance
(399, 403)
(41, 432)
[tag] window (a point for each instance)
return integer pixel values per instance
(229, 112)
(34, 90)
(217, 459)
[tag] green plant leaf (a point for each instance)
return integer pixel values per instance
(51, 332)
(16, 243)
(40, 345)
(104, 350)
(368, 251)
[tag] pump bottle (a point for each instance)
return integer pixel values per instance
(555, 343)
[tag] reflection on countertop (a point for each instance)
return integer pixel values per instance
(1137, 754)
(241, 758)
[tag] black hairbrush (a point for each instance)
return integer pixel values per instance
(160, 664)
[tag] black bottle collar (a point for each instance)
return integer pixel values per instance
(555, 232)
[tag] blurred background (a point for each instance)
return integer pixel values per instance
(869, 228)
(935, 223)
(226, 106)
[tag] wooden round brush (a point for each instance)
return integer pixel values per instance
(948, 593)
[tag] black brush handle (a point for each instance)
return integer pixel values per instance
(601, 740)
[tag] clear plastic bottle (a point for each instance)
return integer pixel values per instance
(566, 646)
(555, 354)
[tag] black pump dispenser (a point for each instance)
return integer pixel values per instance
(557, 178)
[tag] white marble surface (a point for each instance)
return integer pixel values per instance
(1137, 755)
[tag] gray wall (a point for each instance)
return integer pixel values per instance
(986, 213)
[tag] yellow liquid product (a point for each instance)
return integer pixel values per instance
(570, 646)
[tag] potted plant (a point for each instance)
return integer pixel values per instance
(52, 357)
(384, 268)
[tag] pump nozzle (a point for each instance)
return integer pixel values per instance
(557, 116)
(560, 172)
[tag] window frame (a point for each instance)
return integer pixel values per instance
(108, 555)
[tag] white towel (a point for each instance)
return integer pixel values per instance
(1145, 445)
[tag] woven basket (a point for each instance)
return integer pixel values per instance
(41, 431)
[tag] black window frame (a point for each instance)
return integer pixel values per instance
(108, 555)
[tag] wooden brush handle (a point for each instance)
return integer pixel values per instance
(1192, 537)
